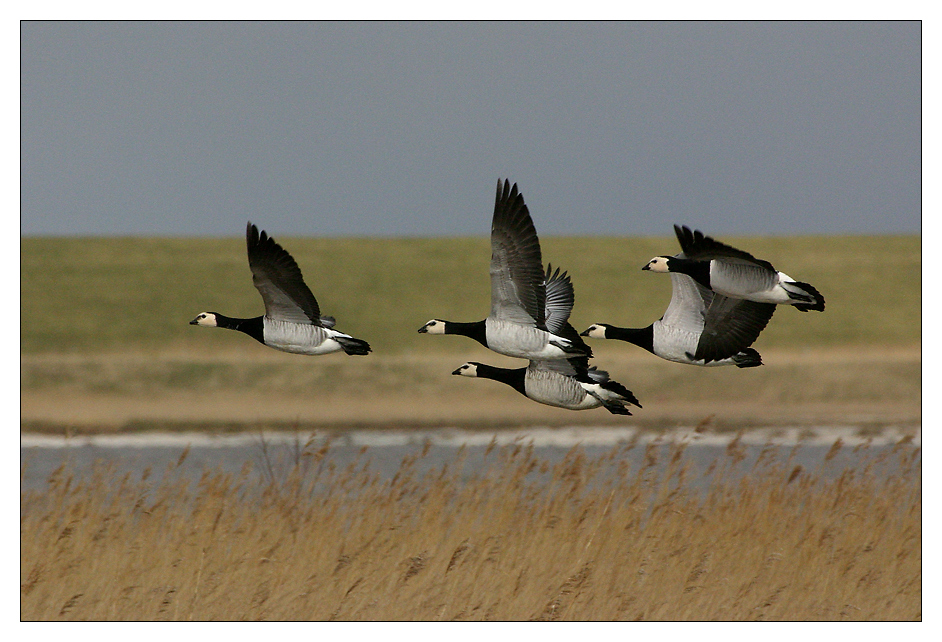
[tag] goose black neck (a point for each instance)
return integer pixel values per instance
(641, 337)
(513, 377)
(473, 330)
(699, 271)
(253, 327)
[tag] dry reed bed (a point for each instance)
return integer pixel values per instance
(581, 539)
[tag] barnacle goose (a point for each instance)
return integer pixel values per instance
(516, 325)
(698, 328)
(735, 273)
(559, 383)
(292, 321)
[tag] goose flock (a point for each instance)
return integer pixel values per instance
(722, 299)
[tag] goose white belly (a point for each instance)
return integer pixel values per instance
(299, 338)
(525, 342)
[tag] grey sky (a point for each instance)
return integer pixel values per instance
(330, 129)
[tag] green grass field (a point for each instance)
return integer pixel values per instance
(119, 295)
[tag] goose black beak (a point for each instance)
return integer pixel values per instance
(458, 371)
(194, 322)
(647, 266)
(423, 329)
(584, 333)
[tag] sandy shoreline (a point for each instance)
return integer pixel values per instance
(124, 393)
(563, 437)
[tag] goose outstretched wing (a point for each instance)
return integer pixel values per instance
(278, 279)
(560, 298)
(730, 326)
(517, 290)
(695, 245)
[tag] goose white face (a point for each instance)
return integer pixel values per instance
(207, 319)
(657, 264)
(467, 370)
(433, 327)
(596, 331)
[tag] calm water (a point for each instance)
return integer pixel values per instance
(382, 452)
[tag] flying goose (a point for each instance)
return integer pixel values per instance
(735, 273)
(292, 321)
(516, 325)
(699, 327)
(559, 383)
(563, 383)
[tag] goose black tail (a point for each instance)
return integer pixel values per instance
(601, 377)
(748, 358)
(818, 301)
(616, 408)
(353, 346)
(622, 391)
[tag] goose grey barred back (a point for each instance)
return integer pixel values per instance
(292, 320)
(516, 325)
(734, 273)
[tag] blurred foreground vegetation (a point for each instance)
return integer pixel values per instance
(521, 538)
